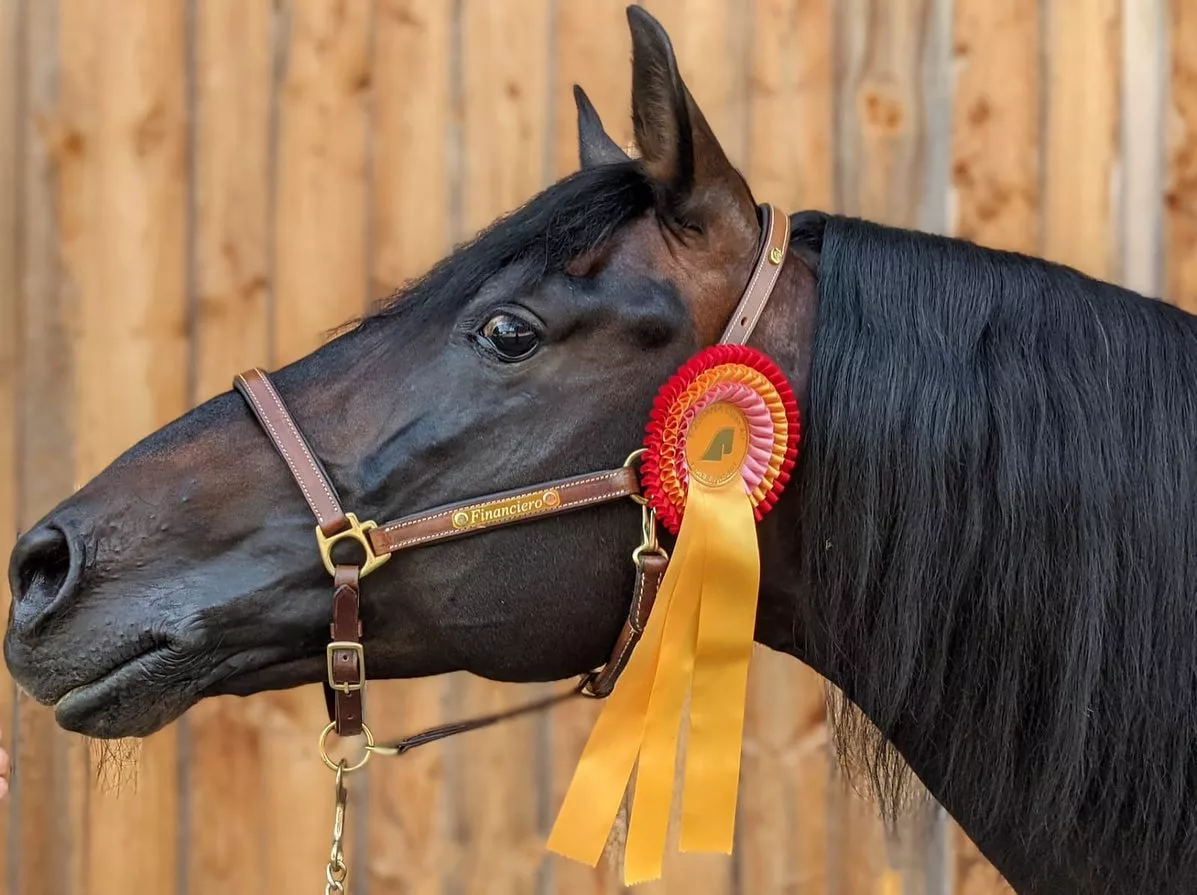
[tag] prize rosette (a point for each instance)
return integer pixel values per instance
(720, 444)
(728, 410)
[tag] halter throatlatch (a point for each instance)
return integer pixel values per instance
(719, 455)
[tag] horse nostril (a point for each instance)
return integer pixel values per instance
(43, 572)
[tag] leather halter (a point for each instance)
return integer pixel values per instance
(345, 680)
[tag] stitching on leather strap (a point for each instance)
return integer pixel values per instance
(283, 450)
(303, 449)
(419, 520)
(437, 535)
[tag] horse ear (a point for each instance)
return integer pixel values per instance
(696, 182)
(595, 147)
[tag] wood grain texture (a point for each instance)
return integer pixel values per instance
(10, 160)
(882, 128)
(409, 231)
(1082, 48)
(1141, 172)
(319, 222)
(52, 789)
(122, 201)
(791, 141)
(995, 135)
(1181, 194)
(231, 148)
(498, 777)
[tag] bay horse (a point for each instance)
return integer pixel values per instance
(989, 545)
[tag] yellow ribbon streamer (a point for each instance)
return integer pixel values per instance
(730, 584)
(699, 637)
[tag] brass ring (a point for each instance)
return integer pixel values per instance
(632, 457)
(337, 766)
(642, 551)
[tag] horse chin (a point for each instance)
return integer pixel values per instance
(134, 699)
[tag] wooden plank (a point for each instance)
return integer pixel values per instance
(791, 144)
(782, 825)
(410, 230)
(1144, 84)
(883, 116)
(995, 137)
(230, 233)
(10, 151)
(320, 281)
(123, 223)
(1082, 49)
(1181, 195)
(51, 793)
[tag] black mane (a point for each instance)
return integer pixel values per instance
(999, 494)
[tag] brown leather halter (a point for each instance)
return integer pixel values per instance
(345, 655)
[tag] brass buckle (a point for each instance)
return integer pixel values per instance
(354, 647)
(357, 532)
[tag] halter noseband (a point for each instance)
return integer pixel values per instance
(345, 654)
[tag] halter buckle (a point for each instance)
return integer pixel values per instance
(355, 532)
(354, 647)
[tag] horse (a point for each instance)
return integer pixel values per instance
(988, 546)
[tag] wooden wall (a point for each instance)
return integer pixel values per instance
(188, 187)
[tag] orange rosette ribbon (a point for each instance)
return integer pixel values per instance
(721, 441)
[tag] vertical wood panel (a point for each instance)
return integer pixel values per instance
(123, 216)
(231, 144)
(1144, 73)
(319, 282)
(410, 231)
(995, 138)
(51, 792)
(10, 132)
(781, 832)
(501, 812)
(1181, 196)
(1081, 82)
(883, 116)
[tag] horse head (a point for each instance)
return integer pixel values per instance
(187, 568)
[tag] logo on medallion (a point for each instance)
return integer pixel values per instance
(717, 443)
(461, 519)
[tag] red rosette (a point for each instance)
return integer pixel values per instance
(739, 375)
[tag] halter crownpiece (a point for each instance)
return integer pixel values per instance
(720, 443)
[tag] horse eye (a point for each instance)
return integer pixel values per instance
(511, 337)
